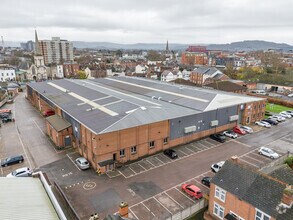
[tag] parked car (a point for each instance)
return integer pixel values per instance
(247, 129)
(217, 166)
(238, 130)
(290, 112)
(12, 160)
(171, 153)
(192, 190)
(285, 114)
(279, 118)
(230, 134)
(268, 152)
(271, 121)
(218, 137)
(21, 172)
(263, 124)
(206, 181)
(82, 163)
(48, 113)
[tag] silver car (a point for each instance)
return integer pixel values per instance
(82, 163)
(21, 172)
(268, 152)
(247, 129)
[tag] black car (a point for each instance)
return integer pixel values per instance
(12, 160)
(206, 181)
(271, 121)
(171, 153)
(218, 137)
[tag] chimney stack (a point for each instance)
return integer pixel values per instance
(287, 198)
(123, 209)
(234, 158)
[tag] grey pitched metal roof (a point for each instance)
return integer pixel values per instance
(105, 104)
(259, 190)
(58, 123)
(206, 70)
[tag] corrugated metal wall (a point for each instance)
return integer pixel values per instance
(201, 121)
(74, 123)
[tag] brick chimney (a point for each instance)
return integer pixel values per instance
(123, 209)
(234, 158)
(288, 196)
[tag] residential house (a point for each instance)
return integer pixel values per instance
(238, 192)
(7, 73)
(200, 75)
(168, 75)
(70, 69)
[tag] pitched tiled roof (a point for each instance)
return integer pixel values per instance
(226, 86)
(260, 190)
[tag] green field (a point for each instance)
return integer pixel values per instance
(276, 108)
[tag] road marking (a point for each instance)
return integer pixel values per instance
(73, 162)
(167, 158)
(183, 152)
(187, 147)
(254, 158)
(122, 174)
(202, 145)
(249, 162)
(133, 214)
(184, 194)
(148, 209)
(132, 170)
(174, 200)
(150, 163)
(160, 160)
(163, 205)
(142, 166)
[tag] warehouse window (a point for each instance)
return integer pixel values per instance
(122, 152)
(166, 140)
(133, 150)
(152, 144)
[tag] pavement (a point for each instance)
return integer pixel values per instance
(151, 186)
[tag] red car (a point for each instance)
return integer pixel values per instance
(48, 113)
(192, 190)
(239, 130)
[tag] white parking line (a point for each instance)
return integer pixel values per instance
(148, 209)
(201, 183)
(182, 152)
(249, 162)
(167, 157)
(133, 214)
(122, 174)
(202, 145)
(132, 169)
(163, 205)
(142, 166)
(254, 158)
(189, 149)
(174, 200)
(151, 163)
(73, 162)
(184, 194)
(160, 160)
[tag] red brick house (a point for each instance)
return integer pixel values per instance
(238, 192)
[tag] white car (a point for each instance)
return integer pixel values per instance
(217, 166)
(247, 129)
(82, 163)
(263, 124)
(230, 134)
(268, 152)
(277, 117)
(21, 172)
(285, 114)
(290, 112)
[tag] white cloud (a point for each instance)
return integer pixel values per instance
(131, 21)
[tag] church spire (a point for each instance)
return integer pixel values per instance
(37, 49)
(167, 46)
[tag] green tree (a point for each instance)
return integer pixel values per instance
(81, 74)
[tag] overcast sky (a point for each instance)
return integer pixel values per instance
(148, 21)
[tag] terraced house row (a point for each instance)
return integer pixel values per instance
(120, 119)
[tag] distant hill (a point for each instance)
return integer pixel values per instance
(138, 46)
(252, 45)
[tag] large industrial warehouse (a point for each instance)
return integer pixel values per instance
(119, 119)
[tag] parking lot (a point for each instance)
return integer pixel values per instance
(158, 160)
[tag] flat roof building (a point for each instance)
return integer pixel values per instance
(121, 118)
